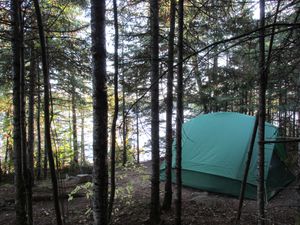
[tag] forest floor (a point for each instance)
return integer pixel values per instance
(132, 204)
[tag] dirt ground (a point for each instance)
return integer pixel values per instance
(132, 204)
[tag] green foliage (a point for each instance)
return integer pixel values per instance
(124, 191)
(84, 188)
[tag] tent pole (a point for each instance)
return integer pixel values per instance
(244, 182)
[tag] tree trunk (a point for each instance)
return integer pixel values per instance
(48, 144)
(137, 132)
(124, 155)
(45, 169)
(155, 205)
(168, 185)
(20, 200)
(116, 111)
(82, 157)
(38, 125)
(25, 154)
(31, 114)
(246, 170)
(6, 171)
(179, 119)
(74, 129)
(100, 109)
(262, 118)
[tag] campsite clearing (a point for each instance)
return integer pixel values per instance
(198, 207)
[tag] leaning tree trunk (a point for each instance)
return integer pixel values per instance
(179, 119)
(48, 145)
(155, 205)
(116, 111)
(262, 117)
(100, 110)
(168, 185)
(20, 200)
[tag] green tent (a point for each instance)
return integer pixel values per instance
(214, 153)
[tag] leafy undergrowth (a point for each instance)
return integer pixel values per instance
(132, 204)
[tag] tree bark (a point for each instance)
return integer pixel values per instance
(82, 157)
(6, 171)
(179, 119)
(137, 132)
(100, 109)
(124, 155)
(30, 148)
(25, 154)
(38, 125)
(169, 132)
(155, 205)
(20, 200)
(116, 111)
(262, 118)
(74, 128)
(48, 144)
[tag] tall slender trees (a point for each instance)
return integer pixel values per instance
(262, 117)
(74, 126)
(100, 107)
(38, 125)
(31, 113)
(82, 142)
(116, 110)
(48, 144)
(155, 205)
(179, 118)
(169, 111)
(20, 200)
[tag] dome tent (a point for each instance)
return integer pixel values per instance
(214, 154)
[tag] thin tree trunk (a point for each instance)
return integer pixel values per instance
(74, 128)
(168, 185)
(82, 141)
(6, 171)
(25, 155)
(137, 132)
(38, 125)
(124, 155)
(31, 115)
(45, 169)
(116, 111)
(262, 117)
(294, 126)
(247, 166)
(155, 205)
(20, 200)
(179, 119)
(48, 144)
(100, 109)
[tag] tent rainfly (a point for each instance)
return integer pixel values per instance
(214, 154)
